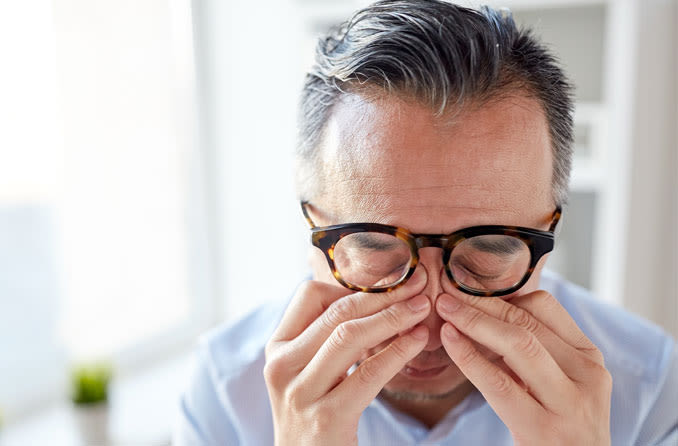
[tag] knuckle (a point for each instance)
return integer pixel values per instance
(544, 297)
(474, 300)
(369, 370)
(472, 319)
(547, 301)
(274, 370)
(274, 350)
(292, 398)
(592, 351)
(306, 288)
(309, 290)
(269, 372)
(382, 300)
(600, 376)
(393, 295)
(593, 357)
(268, 350)
(467, 355)
(339, 311)
(391, 318)
(500, 382)
(606, 379)
(399, 350)
(520, 318)
(527, 344)
(346, 333)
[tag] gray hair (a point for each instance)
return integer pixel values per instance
(442, 55)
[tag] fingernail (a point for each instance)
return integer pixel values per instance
(448, 304)
(418, 303)
(420, 332)
(450, 332)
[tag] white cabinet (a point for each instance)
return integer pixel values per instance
(589, 38)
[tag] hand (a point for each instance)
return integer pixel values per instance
(324, 331)
(552, 386)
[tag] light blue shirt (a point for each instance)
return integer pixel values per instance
(226, 402)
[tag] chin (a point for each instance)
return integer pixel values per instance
(427, 383)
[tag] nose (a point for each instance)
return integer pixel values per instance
(431, 260)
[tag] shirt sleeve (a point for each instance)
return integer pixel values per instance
(202, 419)
(660, 427)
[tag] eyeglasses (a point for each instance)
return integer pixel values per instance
(480, 260)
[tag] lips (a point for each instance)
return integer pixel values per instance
(423, 373)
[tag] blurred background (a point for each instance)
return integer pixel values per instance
(146, 157)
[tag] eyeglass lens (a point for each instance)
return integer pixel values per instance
(491, 262)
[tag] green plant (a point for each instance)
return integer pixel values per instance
(90, 383)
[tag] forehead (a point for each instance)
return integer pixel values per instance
(390, 160)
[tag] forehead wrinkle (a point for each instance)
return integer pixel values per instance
(419, 218)
(373, 198)
(384, 155)
(381, 206)
(379, 183)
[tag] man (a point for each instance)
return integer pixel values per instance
(434, 159)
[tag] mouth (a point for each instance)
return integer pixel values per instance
(423, 373)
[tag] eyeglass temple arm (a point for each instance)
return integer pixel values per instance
(554, 219)
(304, 210)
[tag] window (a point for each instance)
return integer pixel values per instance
(103, 230)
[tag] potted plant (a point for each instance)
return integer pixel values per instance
(90, 386)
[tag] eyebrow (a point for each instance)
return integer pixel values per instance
(369, 241)
(504, 246)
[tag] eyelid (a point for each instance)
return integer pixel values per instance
(498, 247)
(365, 240)
(481, 276)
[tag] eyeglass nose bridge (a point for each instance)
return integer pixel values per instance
(431, 241)
(436, 241)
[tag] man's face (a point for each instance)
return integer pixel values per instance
(391, 161)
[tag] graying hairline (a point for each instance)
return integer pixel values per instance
(510, 88)
(334, 73)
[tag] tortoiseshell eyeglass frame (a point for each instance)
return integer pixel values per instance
(539, 243)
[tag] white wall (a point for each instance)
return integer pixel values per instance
(249, 80)
(651, 286)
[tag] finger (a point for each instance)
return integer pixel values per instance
(499, 362)
(351, 338)
(310, 300)
(520, 348)
(512, 404)
(358, 390)
(546, 308)
(540, 313)
(541, 304)
(301, 349)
